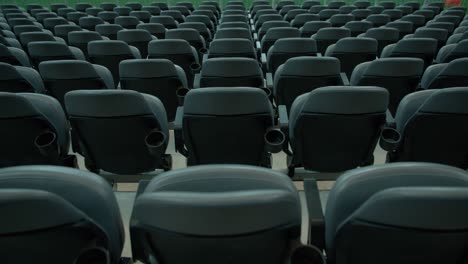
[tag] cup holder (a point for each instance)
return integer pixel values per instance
(155, 142)
(274, 140)
(307, 255)
(389, 139)
(181, 93)
(195, 67)
(46, 143)
(267, 91)
(203, 50)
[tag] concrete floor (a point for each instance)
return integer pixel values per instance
(125, 192)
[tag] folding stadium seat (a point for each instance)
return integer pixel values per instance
(40, 51)
(347, 9)
(358, 27)
(261, 8)
(233, 12)
(10, 42)
(51, 23)
(191, 36)
(406, 10)
(20, 79)
(109, 30)
(362, 4)
(327, 36)
(400, 76)
(435, 33)
(232, 48)
(285, 9)
(230, 72)
(376, 9)
(340, 19)
(157, 77)
(188, 5)
(360, 14)
(353, 127)
(353, 51)
(40, 17)
(63, 12)
(179, 52)
(123, 10)
(428, 14)
(453, 12)
(309, 3)
(301, 19)
(417, 204)
(287, 48)
(325, 14)
(384, 36)
(61, 77)
(202, 19)
(336, 4)
(127, 22)
(167, 21)
(275, 34)
(316, 9)
(182, 9)
(423, 48)
(137, 38)
(201, 28)
(75, 17)
(94, 11)
(270, 24)
(233, 18)
(81, 7)
(161, 5)
(455, 38)
(29, 37)
(274, 216)
(127, 136)
(282, 3)
(153, 10)
(143, 16)
(109, 53)
(239, 135)
(417, 20)
(312, 27)
(443, 112)
(291, 14)
(108, 6)
(233, 33)
(134, 6)
(177, 15)
(155, 29)
(451, 52)
(452, 74)
(14, 56)
(210, 5)
(207, 13)
(393, 13)
(264, 18)
(22, 22)
(379, 20)
(461, 29)
(259, 13)
(413, 4)
(90, 23)
(404, 28)
(80, 39)
(108, 16)
(303, 74)
(387, 4)
(34, 130)
(55, 7)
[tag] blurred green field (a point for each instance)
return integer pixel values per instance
(147, 2)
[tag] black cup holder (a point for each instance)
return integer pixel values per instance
(155, 142)
(274, 140)
(195, 67)
(203, 50)
(307, 255)
(267, 91)
(181, 93)
(389, 139)
(46, 143)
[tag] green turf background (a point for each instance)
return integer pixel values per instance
(170, 2)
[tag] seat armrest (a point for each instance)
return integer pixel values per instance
(178, 133)
(263, 59)
(283, 119)
(252, 28)
(258, 45)
(255, 36)
(344, 79)
(196, 80)
(319, 54)
(389, 119)
(178, 118)
(204, 58)
(269, 80)
(316, 218)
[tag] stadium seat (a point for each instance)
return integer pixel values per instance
(274, 34)
(301, 19)
(265, 203)
(20, 79)
(328, 36)
(188, 5)
(292, 14)
(387, 5)
(10, 42)
(384, 36)
(182, 9)
(75, 17)
(423, 48)
(108, 16)
(455, 38)
(202, 19)
(108, 6)
(40, 51)
(443, 112)
(62, 31)
(228, 33)
(134, 5)
(109, 53)
(400, 76)
(119, 131)
(416, 204)
(211, 129)
(347, 9)
(353, 51)
(312, 27)
(51, 23)
(17, 30)
(446, 18)
(90, 23)
(340, 19)
(351, 117)
(93, 11)
(34, 131)
(451, 52)
(287, 48)
(137, 38)
(40, 17)
(143, 16)
(303, 74)
(127, 22)
(376, 9)
(153, 10)
(452, 74)
(109, 30)
(14, 56)
(80, 39)
(200, 27)
(317, 8)
(435, 33)
(122, 10)
(404, 28)
(358, 27)
(190, 35)
(63, 12)
(155, 29)
(309, 3)
(230, 72)
(428, 14)
(378, 20)
(233, 18)
(442, 25)
(167, 21)
(55, 7)
(177, 15)
(326, 14)
(81, 7)
(417, 20)
(361, 14)
(232, 48)
(179, 52)
(206, 13)
(264, 18)
(161, 5)
(268, 25)
(61, 77)
(157, 77)
(406, 10)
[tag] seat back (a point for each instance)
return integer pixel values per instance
(217, 130)
(384, 36)
(40, 51)
(445, 75)
(155, 29)
(6, 56)
(274, 34)
(232, 48)
(423, 48)
(90, 23)
(358, 27)
(113, 126)
(287, 48)
(137, 38)
(452, 52)
(303, 74)
(109, 30)
(231, 72)
(351, 117)
(328, 36)
(168, 21)
(80, 39)
(62, 31)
